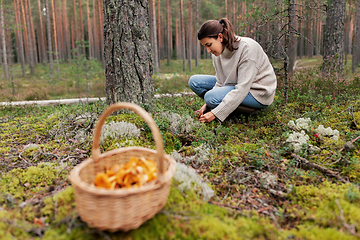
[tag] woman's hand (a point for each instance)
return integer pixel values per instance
(201, 110)
(207, 117)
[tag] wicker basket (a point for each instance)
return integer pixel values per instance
(121, 209)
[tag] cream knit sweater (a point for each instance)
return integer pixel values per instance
(248, 68)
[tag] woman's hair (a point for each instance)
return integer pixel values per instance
(212, 28)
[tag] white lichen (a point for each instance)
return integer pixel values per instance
(300, 124)
(116, 130)
(297, 140)
(328, 132)
(180, 124)
(188, 179)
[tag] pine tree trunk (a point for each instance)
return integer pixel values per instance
(182, 35)
(190, 35)
(75, 27)
(82, 30)
(33, 39)
(168, 12)
(197, 47)
(356, 43)
(334, 37)
(128, 52)
(20, 38)
(154, 36)
(292, 38)
(41, 41)
(49, 40)
(310, 42)
(158, 28)
(3, 42)
(29, 38)
(301, 30)
(66, 31)
(56, 54)
(101, 26)
(91, 53)
(96, 32)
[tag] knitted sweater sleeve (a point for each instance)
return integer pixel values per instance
(246, 72)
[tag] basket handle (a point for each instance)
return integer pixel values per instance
(142, 113)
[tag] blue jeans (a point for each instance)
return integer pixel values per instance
(202, 85)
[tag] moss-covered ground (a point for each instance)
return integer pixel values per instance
(262, 190)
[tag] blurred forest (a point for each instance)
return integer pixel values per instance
(51, 32)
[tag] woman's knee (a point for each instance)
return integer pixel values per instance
(211, 100)
(192, 81)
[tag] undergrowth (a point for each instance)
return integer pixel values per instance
(261, 188)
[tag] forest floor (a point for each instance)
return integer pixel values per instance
(256, 181)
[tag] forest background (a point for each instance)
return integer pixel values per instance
(54, 34)
(292, 172)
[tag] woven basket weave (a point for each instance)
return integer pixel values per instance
(121, 209)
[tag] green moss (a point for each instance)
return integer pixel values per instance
(24, 183)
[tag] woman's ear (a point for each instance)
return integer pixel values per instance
(221, 37)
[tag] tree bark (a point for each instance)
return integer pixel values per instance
(182, 35)
(3, 42)
(127, 52)
(75, 27)
(20, 48)
(101, 27)
(67, 33)
(292, 50)
(28, 32)
(334, 37)
(154, 41)
(356, 43)
(41, 41)
(91, 53)
(33, 39)
(55, 36)
(82, 29)
(189, 49)
(197, 47)
(168, 12)
(48, 26)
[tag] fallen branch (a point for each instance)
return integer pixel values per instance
(325, 171)
(350, 228)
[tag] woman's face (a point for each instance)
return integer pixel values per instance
(213, 45)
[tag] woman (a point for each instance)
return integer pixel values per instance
(245, 80)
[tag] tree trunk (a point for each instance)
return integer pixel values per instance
(197, 48)
(158, 28)
(76, 30)
(41, 41)
(190, 35)
(182, 35)
(95, 27)
(82, 29)
(66, 31)
(27, 29)
(168, 12)
(301, 30)
(292, 50)
(20, 48)
(310, 41)
(91, 44)
(55, 36)
(33, 39)
(154, 44)
(128, 52)
(3, 42)
(356, 43)
(48, 26)
(334, 37)
(101, 27)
